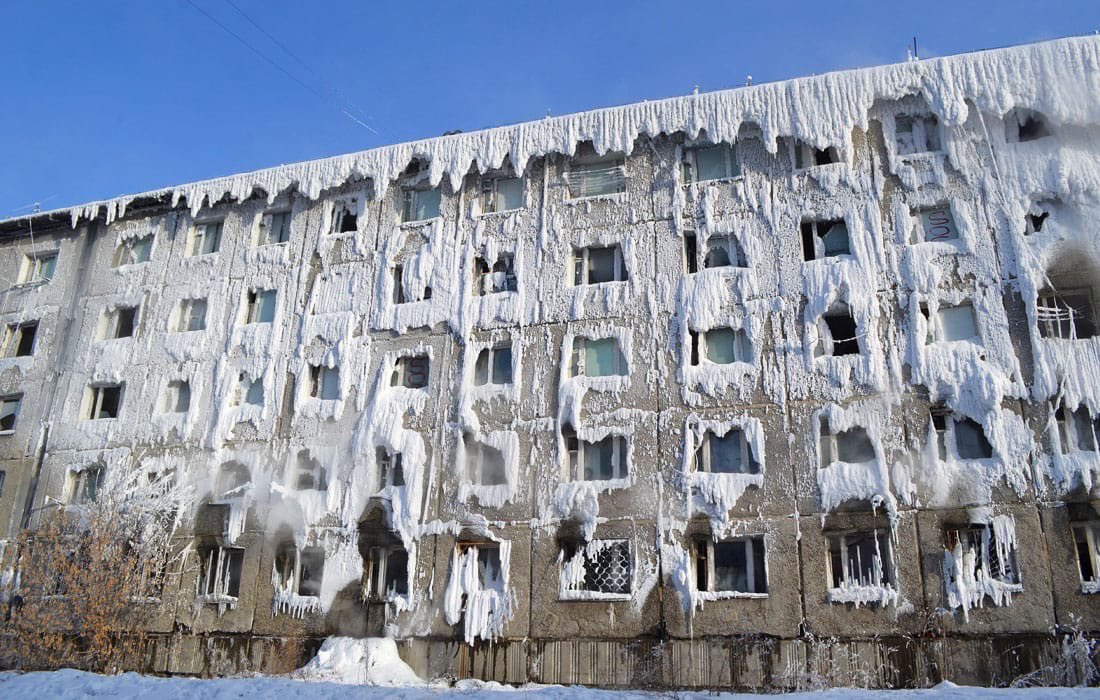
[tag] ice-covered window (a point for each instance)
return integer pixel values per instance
(19, 339)
(595, 177)
(37, 268)
(722, 346)
(499, 277)
(220, 572)
(324, 382)
(838, 334)
(133, 251)
(85, 485)
(420, 205)
(390, 470)
(9, 412)
(806, 156)
(851, 445)
(1025, 125)
(300, 571)
(501, 194)
(916, 133)
(858, 559)
(248, 391)
(1034, 220)
(601, 460)
(102, 401)
(490, 574)
(977, 545)
(119, 322)
(260, 305)
(825, 239)
(400, 294)
(234, 480)
(1065, 314)
(724, 251)
(493, 366)
(206, 237)
(484, 464)
(191, 315)
(597, 357)
(954, 323)
(1086, 540)
(274, 228)
(717, 162)
(691, 252)
(731, 566)
(966, 436)
(1078, 430)
(935, 223)
(387, 572)
(603, 567)
(345, 215)
(310, 474)
(411, 372)
(597, 265)
(177, 397)
(730, 453)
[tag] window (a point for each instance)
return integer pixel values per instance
(493, 366)
(311, 474)
(9, 412)
(599, 265)
(191, 315)
(274, 228)
(734, 566)
(860, 559)
(691, 253)
(387, 572)
(807, 156)
(421, 205)
(1065, 314)
(501, 194)
(601, 566)
(967, 436)
(324, 382)
(177, 397)
(597, 357)
(260, 306)
(103, 401)
(345, 215)
(220, 572)
(851, 446)
(205, 238)
(390, 471)
(38, 268)
(1086, 538)
(597, 177)
(725, 454)
(411, 372)
(120, 322)
(20, 339)
(133, 251)
(838, 334)
(979, 544)
(1023, 125)
(722, 346)
(724, 251)
(248, 391)
(1034, 220)
(1078, 430)
(484, 464)
(825, 239)
(85, 485)
(916, 134)
(957, 323)
(934, 224)
(400, 294)
(602, 460)
(300, 571)
(501, 277)
(717, 162)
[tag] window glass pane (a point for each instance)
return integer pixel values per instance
(599, 459)
(854, 446)
(330, 383)
(730, 567)
(720, 345)
(601, 357)
(426, 204)
(835, 240)
(142, 248)
(725, 453)
(1082, 424)
(255, 393)
(601, 265)
(266, 302)
(492, 466)
(958, 322)
(903, 130)
(509, 193)
(502, 366)
(710, 162)
(937, 224)
(744, 347)
(970, 440)
(197, 317)
(593, 179)
(481, 368)
(182, 397)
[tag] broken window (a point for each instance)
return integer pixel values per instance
(825, 239)
(730, 453)
(717, 162)
(9, 412)
(977, 543)
(133, 251)
(220, 572)
(119, 322)
(916, 133)
(411, 372)
(274, 228)
(602, 460)
(205, 238)
(500, 277)
(1065, 314)
(345, 215)
(19, 341)
(852, 445)
(324, 382)
(691, 252)
(838, 334)
(1034, 220)
(421, 205)
(234, 480)
(605, 567)
(260, 305)
(493, 366)
(102, 401)
(485, 464)
(724, 251)
(597, 265)
(85, 485)
(1078, 430)
(38, 268)
(934, 224)
(1086, 539)
(731, 566)
(967, 436)
(859, 559)
(722, 346)
(400, 294)
(248, 391)
(311, 475)
(177, 397)
(191, 315)
(300, 571)
(596, 177)
(597, 357)
(806, 156)
(1023, 125)
(501, 194)
(390, 470)
(387, 573)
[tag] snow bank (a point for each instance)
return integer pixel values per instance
(360, 662)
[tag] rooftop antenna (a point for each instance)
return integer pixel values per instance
(914, 56)
(748, 80)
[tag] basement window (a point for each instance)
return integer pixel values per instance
(978, 544)
(260, 305)
(345, 215)
(730, 453)
(485, 465)
(102, 401)
(825, 239)
(916, 134)
(390, 470)
(205, 238)
(598, 265)
(387, 573)
(420, 205)
(806, 156)
(19, 340)
(721, 346)
(411, 372)
(300, 571)
(597, 357)
(38, 268)
(602, 460)
(85, 485)
(934, 224)
(324, 382)
(838, 334)
(724, 251)
(1078, 430)
(860, 559)
(594, 178)
(1086, 540)
(601, 567)
(500, 277)
(717, 162)
(248, 391)
(731, 566)
(1022, 125)
(133, 251)
(220, 572)
(9, 412)
(493, 366)
(274, 228)
(1065, 314)
(961, 436)
(191, 315)
(852, 446)
(177, 397)
(500, 194)
(311, 474)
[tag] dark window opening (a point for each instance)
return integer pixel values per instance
(1065, 314)
(1035, 222)
(125, 322)
(842, 333)
(825, 239)
(970, 440)
(691, 260)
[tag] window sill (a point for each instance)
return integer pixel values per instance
(717, 181)
(201, 256)
(818, 168)
(592, 596)
(7, 432)
(497, 214)
(1090, 587)
(216, 599)
(129, 266)
(420, 222)
(598, 284)
(270, 245)
(617, 197)
(30, 284)
(730, 595)
(921, 155)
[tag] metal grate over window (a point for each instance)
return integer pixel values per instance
(608, 570)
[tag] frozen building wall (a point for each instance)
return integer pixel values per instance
(668, 393)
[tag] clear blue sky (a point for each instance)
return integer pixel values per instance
(111, 96)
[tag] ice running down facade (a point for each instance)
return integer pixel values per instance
(662, 393)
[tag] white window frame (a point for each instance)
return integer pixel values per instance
(253, 301)
(700, 352)
(111, 322)
(172, 393)
(818, 229)
(319, 376)
(273, 228)
(691, 168)
(475, 461)
(804, 156)
(947, 436)
(201, 233)
(390, 466)
(38, 268)
(1091, 533)
(578, 363)
(575, 456)
(984, 557)
(586, 173)
(488, 187)
(1069, 429)
(483, 371)
(883, 552)
(215, 572)
(750, 542)
(939, 327)
(703, 453)
(485, 276)
(130, 250)
(244, 388)
(94, 401)
(186, 315)
(289, 577)
(1057, 317)
(582, 272)
(828, 446)
(13, 338)
(402, 368)
(379, 585)
(341, 207)
(77, 491)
